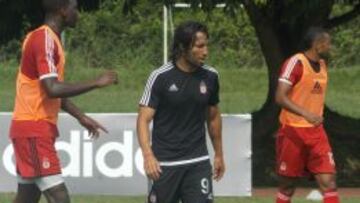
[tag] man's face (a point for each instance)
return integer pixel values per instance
(70, 13)
(199, 51)
(323, 46)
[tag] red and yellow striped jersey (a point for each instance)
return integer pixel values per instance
(308, 90)
(35, 114)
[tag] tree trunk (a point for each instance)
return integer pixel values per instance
(265, 121)
(341, 127)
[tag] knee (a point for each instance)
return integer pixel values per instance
(287, 189)
(58, 196)
(27, 193)
(328, 184)
(62, 198)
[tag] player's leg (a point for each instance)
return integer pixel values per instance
(197, 184)
(290, 157)
(27, 193)
(286, 189)
(57, 194)
(321, 163)
(37, 160)
(51, 182)
(326, 182)
(327, 185)
(166, 188)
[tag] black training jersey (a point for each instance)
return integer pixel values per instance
(180, 100)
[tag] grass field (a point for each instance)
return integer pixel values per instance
(243, 90)
(7, 198)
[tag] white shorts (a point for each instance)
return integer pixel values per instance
(43, 183)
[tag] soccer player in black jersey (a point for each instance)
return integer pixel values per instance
(180, 98)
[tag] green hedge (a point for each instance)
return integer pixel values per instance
(108, 38)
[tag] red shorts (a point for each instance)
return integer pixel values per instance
(36, 157)
(300, 151)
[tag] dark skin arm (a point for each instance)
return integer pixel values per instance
(283, 100)
(90, 124)
(57, 89)
(151, 164)
(215, 127)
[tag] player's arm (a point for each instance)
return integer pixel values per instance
(149, 102)
(151, 165)
(214, 125)
(57, 89)
(284, 101)
(286, 82)
(46, 56)
(90, 124)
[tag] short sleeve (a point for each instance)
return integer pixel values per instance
(214, 97)
(151, 94)
(291, 71)
(45, 53)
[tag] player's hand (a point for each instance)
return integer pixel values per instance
(152, 167)
(108, 78)
(313, 119)
(92, 126)
(219, 167)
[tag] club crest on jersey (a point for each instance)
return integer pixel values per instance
(203, 88)
(46, 163)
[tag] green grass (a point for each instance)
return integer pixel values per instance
(243, 90)
(239, 94)
(7, 198)
(240, 97)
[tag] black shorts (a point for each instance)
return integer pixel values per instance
(189, 183)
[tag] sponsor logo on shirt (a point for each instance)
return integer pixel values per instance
(173, 88)
(317, 89)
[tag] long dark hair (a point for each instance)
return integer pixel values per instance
(184, 37)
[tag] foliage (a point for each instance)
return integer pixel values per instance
(107, 38)
(346, 44)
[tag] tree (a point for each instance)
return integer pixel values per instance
(279, 26)
(17, 14)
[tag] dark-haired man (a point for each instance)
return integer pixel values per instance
(179, 98)
(302, 144)
(40, 93)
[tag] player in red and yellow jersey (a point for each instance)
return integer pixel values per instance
(40, 94)
(302, 146)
